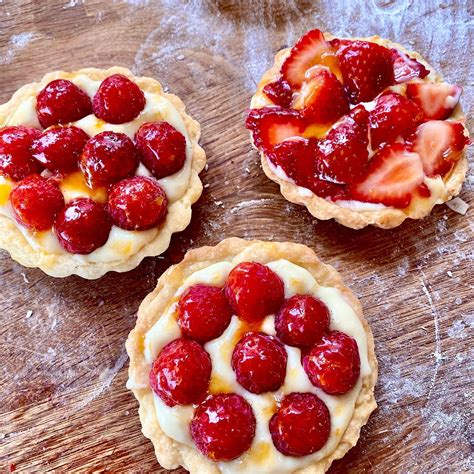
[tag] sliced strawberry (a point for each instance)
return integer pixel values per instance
(439, 144)
(272, 125)
(311, 49)
(393, 175)
(437, 100)
(322, 98)
(366, 68)
(393, 115)
(406, 68)
(279, 92)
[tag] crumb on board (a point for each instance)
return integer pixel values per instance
(458, 205)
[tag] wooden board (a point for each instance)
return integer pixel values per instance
(63, 365)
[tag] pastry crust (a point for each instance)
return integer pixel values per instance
(172, 454)
(323, 209)
(179, 212)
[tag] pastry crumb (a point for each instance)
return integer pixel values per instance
(458, 205)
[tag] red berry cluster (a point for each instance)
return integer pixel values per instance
(38, 160)
(223, 425)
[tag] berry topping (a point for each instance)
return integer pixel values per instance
(118, 100)
(366, 68)
(223, 427)
(259, 363)
(302, 321)
(392, 116)
(310, 50)
(203, 312)
(108, 157)
(439, 145)
(62, 102)
(322, 98)
(279, 92)
(392, 176)
(16, 161)
(137, 203)
(162, 148)
(181, 372)
(272, 125)
(301, 426)
(437, 100)
(254, 291)
(406, 68)
(333, 364)
(36, 202)
(59, 148)
(83, 226)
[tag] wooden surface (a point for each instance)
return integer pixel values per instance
(63, 365)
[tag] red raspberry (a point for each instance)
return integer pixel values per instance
(181, 372)
(59, 148)
(259, 363)
(203, 312)
(16, 161)
(301, 426)
(333, 364)
(162, 148)
(254, 291)
(108, 157)
(223, 427)
(83, 226)
(36, 202)
(118, 100)
(61, 101)
(302, 321)
(137, 203)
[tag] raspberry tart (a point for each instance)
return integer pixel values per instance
(98, 168)
(359, 130)
(252, 357)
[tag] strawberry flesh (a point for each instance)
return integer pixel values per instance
(406, 68)
(279, 92)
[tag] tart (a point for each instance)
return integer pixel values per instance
(98, 168)
(359, 130)
(254, 357)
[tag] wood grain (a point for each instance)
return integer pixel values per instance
(63, 364)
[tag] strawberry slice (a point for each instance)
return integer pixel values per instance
(439, 144)
(279, 92)
(366, 68)
(437, 100)
(393, 115)
(311, 49)
(322, 98)
(393, 175)
(272, 125)
(406, 68)
(343, 153)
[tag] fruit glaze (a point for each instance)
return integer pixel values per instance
(257, 365)
(361, 124)
(91, 165)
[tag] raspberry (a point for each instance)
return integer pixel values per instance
(333, 364)
(223, 427)
(301, 426)
(59, 148)
(181, 372)
(61, 102)
(36, 202)
(83, 226)
(108, 157)
(254, 291)
(16, 161)
(259, 363)
(118, 100)
(203, 312)
(162, 148)
(137, 203)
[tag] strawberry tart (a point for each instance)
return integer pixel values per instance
(98, 168)
(359, 130)
(252, 357)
